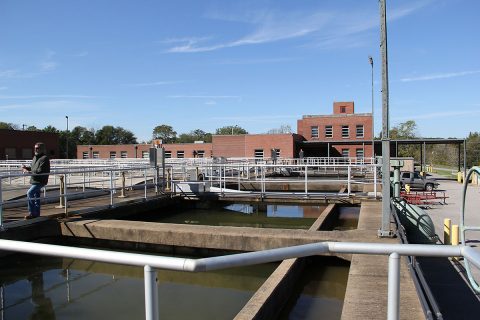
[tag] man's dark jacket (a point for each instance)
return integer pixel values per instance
(40, 164)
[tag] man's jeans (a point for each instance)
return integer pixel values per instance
(33, 196)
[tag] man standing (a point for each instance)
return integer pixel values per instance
(39, 169)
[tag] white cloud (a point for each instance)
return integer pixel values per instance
(440, 76)
(3, 88)
(81, 54)
(328, 29)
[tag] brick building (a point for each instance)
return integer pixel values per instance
(18, 144)
(342, 133)
(342, 127)
(174, 150)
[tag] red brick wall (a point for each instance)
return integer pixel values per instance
(135, 150)
(349, 107)
(25, 140)
(267, 142)
(336, 121)
(228, 146)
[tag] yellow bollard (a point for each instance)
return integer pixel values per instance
(447, 226)
(460, 177)
(454, 235)
(407, 188)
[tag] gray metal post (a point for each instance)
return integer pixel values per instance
(111, 188)
(306, 179)
(393, 312)
(375, 181)
(464, 158)
(373, 118)
(151, 293)
(349, 181)
(385, 228)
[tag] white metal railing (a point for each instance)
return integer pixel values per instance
(75, 182)
(219, 175)
(150, 262)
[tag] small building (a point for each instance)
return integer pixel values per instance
(352, 131)
(18, 144)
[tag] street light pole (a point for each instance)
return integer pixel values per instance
(67, 137)
(373, 118)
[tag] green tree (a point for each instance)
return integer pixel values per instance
(406, 131)
(473, 149)
(195, 135)
(50, 128)
(165, 133)
(8, 125)
(114, 135)
(231, 130)
(32, 128)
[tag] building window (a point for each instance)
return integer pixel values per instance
(359, 130)
(123, 154)
(96, 155)
(258, 153)
(10, 153)
(180, 154)
(328, 132)
(314, 131)
(201, 154)
(85, 155)
(343, 109)
(345, 132)
(113, 154)
(146, 154)
(168, 154)
(345, 153)
(27, 153)
(359, 153)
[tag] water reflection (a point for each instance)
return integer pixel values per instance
(43, 307)
(53, 288)
(277, 210)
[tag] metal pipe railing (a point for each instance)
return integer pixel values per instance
(150, 262)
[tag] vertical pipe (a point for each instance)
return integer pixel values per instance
(111, 188)
(385, 228)
(151, 293)
(393, 312)
(306, 179)
(145, 183)
(375, 181)
(65, 200)
(349, 170)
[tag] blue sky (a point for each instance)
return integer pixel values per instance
(258, 64)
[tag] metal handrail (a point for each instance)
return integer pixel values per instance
(150, 262)
(463, 228)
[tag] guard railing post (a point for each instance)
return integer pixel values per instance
(151, 293)
(393, 312)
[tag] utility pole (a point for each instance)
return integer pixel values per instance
(370, 59)
(66, 138)
(385, 230)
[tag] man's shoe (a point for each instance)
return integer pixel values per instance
(28, 217)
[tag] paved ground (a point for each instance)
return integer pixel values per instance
(453, 208)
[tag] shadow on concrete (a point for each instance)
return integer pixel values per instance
(454, 296)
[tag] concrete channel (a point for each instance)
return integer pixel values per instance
(366, 293)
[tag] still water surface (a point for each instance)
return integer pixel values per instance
(36, 287)
(241, 215)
